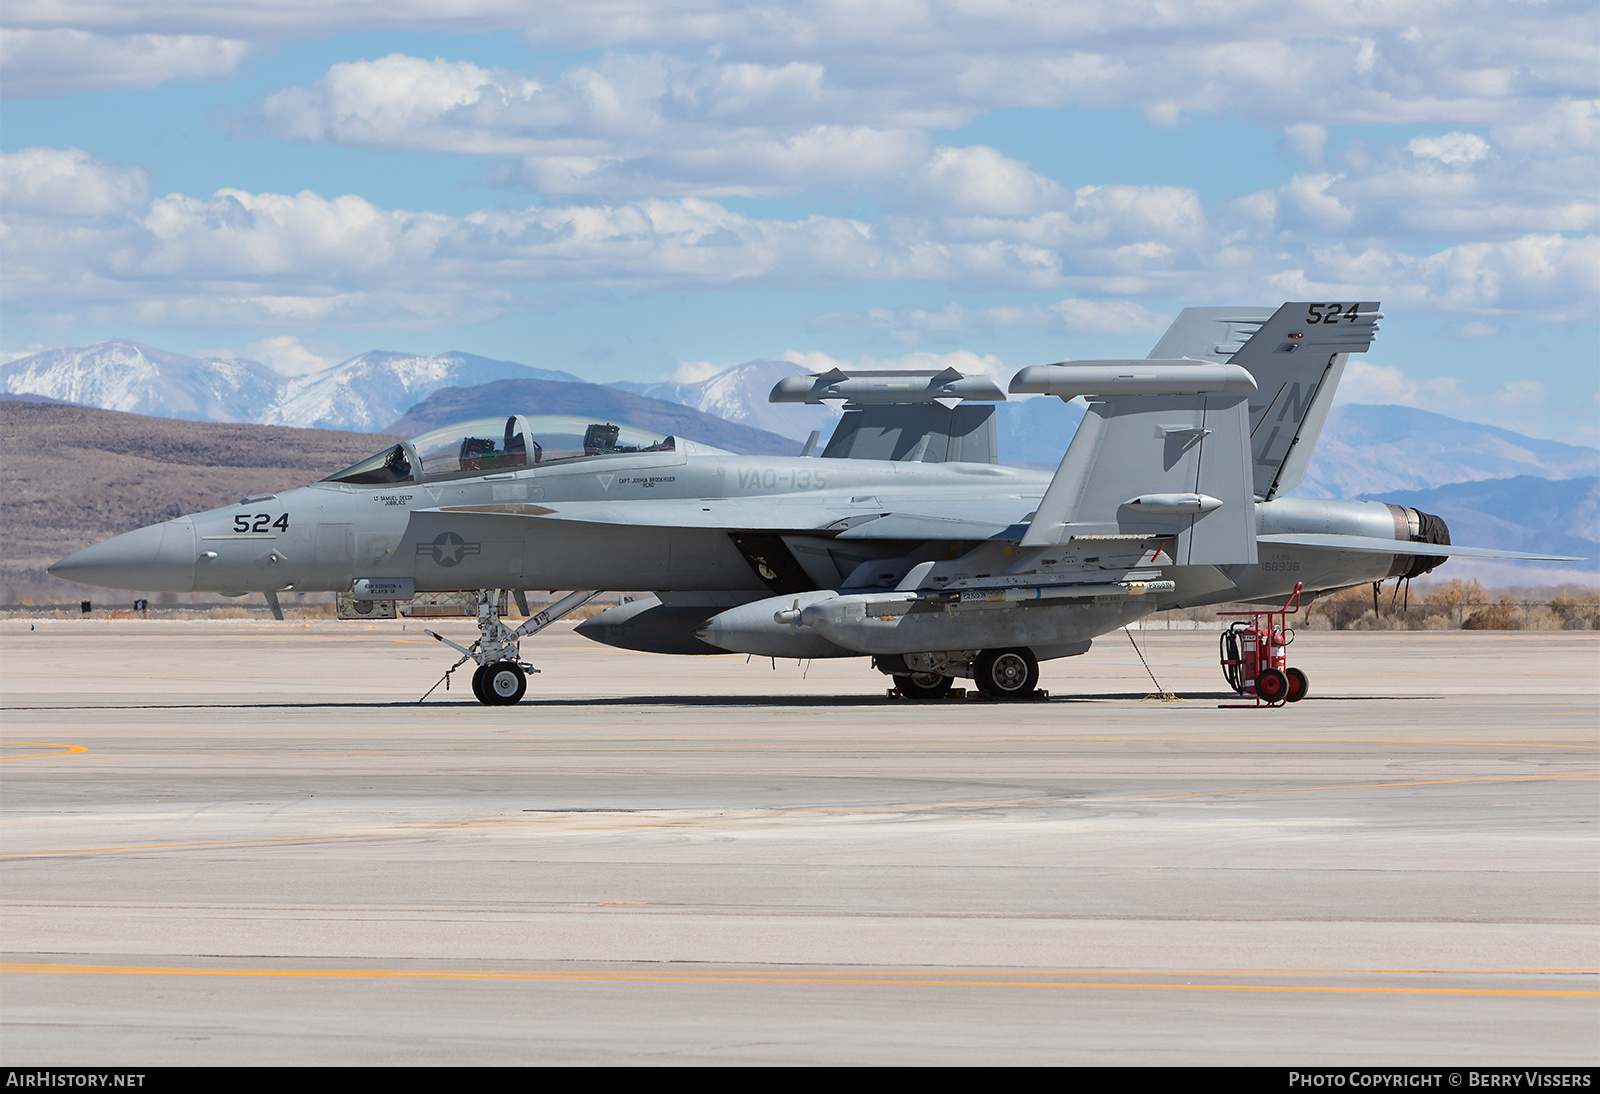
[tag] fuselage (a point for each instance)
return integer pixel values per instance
(454, 533)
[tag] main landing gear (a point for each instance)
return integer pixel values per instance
(999, 674)
(501, 677)
(1006, 674)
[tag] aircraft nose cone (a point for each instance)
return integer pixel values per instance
(157, 559)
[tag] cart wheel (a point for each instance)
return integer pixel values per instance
(1272, 686)
(1298, 685)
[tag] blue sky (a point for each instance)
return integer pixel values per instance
(641, 190)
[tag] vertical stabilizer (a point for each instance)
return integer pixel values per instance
(1297, 357)
(1210, 334)
(1162, 451)
(907, 416)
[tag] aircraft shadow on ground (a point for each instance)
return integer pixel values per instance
(728, 701)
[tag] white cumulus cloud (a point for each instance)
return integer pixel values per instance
(631, 125)
(1522, 404)
(65, 61)
(1451, 149)
(83, 234)
(401, 101)
(286, 354)
(954, 321)
(67, 182)
(979, 179)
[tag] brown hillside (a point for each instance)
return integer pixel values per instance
(72, 475)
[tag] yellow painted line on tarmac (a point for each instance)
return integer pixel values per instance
(1009, 979)
(66, 750)
(747, 744)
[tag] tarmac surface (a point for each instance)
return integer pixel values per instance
(245, 842)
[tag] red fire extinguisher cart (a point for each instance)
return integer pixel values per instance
(1255, 659)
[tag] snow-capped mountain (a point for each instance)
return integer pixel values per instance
(1363, 449)
(366, 393)
(362, 394)
(739, 394)
(141, 379)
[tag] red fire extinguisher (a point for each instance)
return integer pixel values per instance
(1255, 658)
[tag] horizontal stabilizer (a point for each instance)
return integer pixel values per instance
(1375, 545)
(920, 526)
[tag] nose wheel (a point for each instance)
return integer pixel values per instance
(500, 679)
(503, 683)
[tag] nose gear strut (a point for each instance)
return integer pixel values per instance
(501, 677)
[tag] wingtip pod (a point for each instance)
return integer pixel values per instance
(901, 386)
(1138, 377)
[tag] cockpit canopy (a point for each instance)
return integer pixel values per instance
(506, 444)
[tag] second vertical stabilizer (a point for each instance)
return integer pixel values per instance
(1162, 451)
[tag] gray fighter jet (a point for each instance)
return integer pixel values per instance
(904, 539)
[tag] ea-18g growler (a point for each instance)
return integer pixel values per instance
(904, 540)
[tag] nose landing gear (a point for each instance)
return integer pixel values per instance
(501, 677)
(500, 684)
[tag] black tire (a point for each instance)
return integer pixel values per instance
(1007, 674)
(504, 683)
(1272, 686)
(477, 685)
(1298, 685)
(924, 685)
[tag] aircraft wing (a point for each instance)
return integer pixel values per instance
(866, 519)
(925, 526)
(1400, 547)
